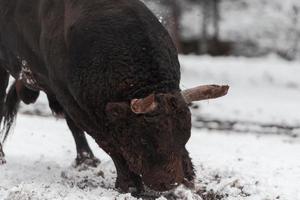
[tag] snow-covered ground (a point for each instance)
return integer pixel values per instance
(234, 166)
(264, 91)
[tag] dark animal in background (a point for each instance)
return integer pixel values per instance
(112, 69)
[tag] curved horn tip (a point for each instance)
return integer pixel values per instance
(225, 88)
(205, 92)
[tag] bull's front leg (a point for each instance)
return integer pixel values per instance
(125, 178)
(85, 155)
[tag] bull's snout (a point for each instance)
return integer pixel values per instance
(163, 183)
(164, 178)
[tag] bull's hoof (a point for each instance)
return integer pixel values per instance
(2, 156)
(86, 160)
(133, 185)
(189, 184)
(2, 161)
(129, 187)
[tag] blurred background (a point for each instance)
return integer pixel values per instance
(232, 27)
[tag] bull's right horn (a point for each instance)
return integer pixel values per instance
(204, 92)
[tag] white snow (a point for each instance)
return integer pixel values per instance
(236, 166)
(262, 89)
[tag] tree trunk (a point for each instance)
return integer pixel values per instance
(216, 19)
(295, 48)
(203, 42)
(175, 24)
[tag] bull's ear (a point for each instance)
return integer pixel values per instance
(115, 111)
(145, 105)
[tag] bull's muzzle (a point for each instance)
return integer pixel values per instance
(164, 178)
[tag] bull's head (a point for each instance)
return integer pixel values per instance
(152, 133)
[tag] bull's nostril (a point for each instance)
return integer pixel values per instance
(163, 186)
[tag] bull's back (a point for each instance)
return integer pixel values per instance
(21, 30)
(122, 48)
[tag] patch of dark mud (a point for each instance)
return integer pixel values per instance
(183, 193)
(210, 195)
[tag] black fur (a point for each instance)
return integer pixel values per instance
(94, 57)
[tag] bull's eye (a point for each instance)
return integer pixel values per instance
(115, 114)
(143, 141)
(173, 103)
(150, 119)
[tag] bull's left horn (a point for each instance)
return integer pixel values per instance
(145, 105)
(204, 92)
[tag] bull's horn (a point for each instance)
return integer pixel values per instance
(145, 105)
(204, 92)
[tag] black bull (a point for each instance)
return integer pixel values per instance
(112, 70)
